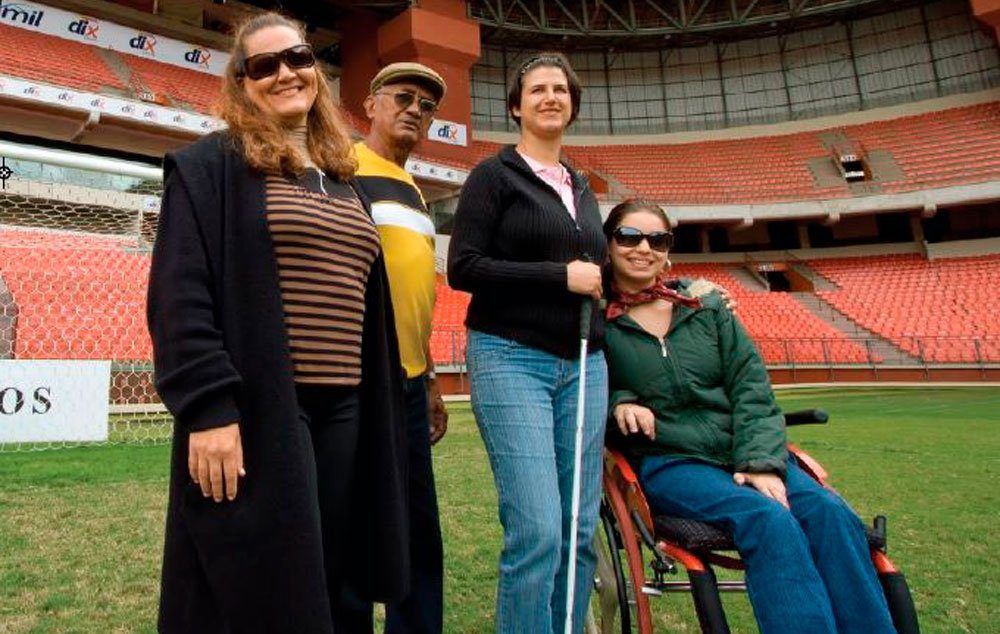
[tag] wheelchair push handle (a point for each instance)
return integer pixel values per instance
(806, 417)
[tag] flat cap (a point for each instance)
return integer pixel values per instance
(410, 71)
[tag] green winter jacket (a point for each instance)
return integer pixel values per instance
(705, 383)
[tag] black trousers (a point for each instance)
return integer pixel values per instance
(422, 612)
(330, 418)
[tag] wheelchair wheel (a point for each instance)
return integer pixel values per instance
(612, 604)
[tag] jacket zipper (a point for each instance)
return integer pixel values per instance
(663, 347)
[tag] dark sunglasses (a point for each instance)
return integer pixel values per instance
(631, 237)
(266, 64)
(405, 99)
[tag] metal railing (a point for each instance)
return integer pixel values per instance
(909, 351)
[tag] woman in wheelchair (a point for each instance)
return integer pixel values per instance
(693, 410)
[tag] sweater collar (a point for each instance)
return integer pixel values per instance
(510, 157)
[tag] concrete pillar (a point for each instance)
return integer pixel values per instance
(437, 34)
(804, 236)
(703, 241)
(917, 227)
(988, 12)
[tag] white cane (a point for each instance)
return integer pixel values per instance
(586, 308)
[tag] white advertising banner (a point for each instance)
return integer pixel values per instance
(81, 28)
(448, 132)
(49, 401)
(130, 109)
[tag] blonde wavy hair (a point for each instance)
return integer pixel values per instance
(265, 145)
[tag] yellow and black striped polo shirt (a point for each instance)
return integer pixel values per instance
(407, 234)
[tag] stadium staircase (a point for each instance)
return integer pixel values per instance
(747, 278)
(771, 318)
(180, 87)
(879, 347)
(941, 310)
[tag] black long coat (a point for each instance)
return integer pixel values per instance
(221, 354)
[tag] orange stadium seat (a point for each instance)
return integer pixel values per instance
(941, 310)
(448, 337)
(785, 331)
(937, 149)
(55, 61)
(78, 296)
(180, 85)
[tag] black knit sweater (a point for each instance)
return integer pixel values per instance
(512, 240)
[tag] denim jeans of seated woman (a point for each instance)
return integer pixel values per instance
(525, 401)
(808, 569)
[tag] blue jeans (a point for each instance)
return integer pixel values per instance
(524, 401)
(807, 570)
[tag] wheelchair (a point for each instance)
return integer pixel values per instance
(623, 589)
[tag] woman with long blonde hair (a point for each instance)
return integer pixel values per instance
(275, 351)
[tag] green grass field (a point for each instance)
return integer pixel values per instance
(81, 529)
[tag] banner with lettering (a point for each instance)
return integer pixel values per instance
(114, 106)
(81, 28)
(448, 132)
(50, 401)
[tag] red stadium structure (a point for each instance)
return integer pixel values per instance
(836, 168)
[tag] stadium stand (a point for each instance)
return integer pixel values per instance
(82, 296)
(759, 169)
(56, 61)
(949, 147)
(78, 296)
(771, 317)
(917, 304)
(936, 149)
(180, 85)
(448, 337)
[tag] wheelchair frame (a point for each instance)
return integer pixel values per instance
(629, 527)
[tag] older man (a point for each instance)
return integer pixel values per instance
(401, 104)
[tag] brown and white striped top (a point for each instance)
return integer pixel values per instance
(324, 244)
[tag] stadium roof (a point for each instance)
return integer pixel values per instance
(654, 24)
(619, 24)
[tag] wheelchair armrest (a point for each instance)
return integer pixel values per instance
(806, 417)
(619, 474)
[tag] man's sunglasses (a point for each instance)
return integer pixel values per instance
(631, 237)
(267, 64)
(405, 99)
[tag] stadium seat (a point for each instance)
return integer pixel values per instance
(937, 310)
(181, 86)
(78, 296)
(56, 61)
(937, 149)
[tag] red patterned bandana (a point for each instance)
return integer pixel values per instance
(622, 301)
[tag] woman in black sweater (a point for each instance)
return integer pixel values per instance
(528, 244)
(275, 350)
